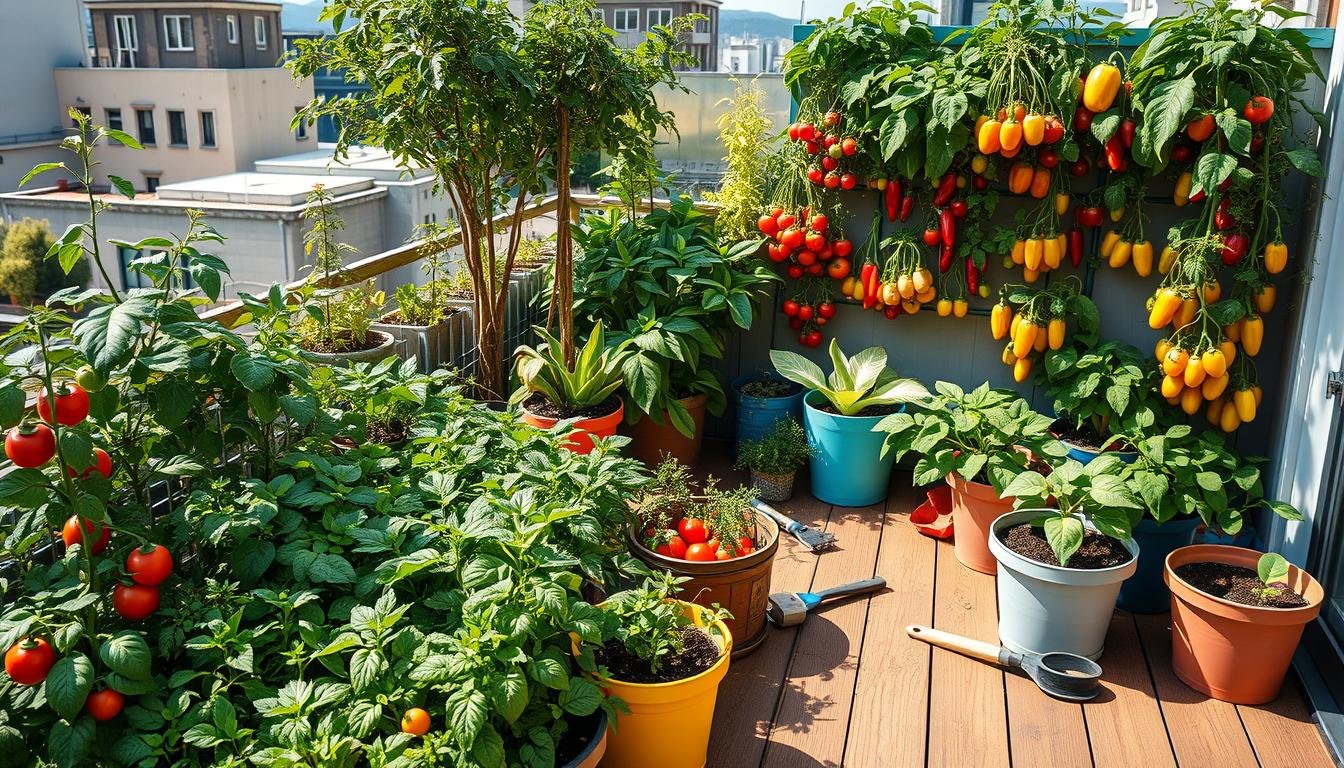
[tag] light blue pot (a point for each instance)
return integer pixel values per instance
(847, 465)
(756, 416)
(1084, 456)
(1146, 591)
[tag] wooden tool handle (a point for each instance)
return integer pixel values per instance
(976, 649)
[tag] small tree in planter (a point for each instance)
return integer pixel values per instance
(977, 441)
(1104, 397)
(426, 320)
(841, 412)
(1063, 555)
(774, 459)
(551, 391)
(665, 661)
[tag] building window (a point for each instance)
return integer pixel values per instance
(702, 25)
(625, 19)
(129, 277)
(208, 129)
(144, 126)
(127, 39)
(114, 118)
(301, 129)
(259, 30)
(231, 28)
(177, 128)
(659, 17)
(177, 33)
(87, 112)
(151, 183)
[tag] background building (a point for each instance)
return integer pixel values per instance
(632, 20)
(35, 38)
(185, 34)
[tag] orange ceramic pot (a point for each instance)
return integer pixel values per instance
(581, 439)
(975, 507)
(1234, 652)
(650, 440)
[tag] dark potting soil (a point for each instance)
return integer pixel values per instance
(872, 410)
(1097, 551)
(386, 434)
(700, 655)
(344, 343)
(767, 388)
(579, 732)
(1084, 437)
(1238, 584)
(539, 405)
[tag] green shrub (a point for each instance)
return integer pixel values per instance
(25, 271)
(783, 450)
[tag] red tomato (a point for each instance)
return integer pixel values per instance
(1080, 167)
(815, 269)
(849, 181)
(932, 237)
(71, 534)
(30, 445)
(767, 224)
(794, 272)
(723, 554)
(838, 268)
(105, 704)
(693, 531)
(415, 722)
(745, 544)
(135, 601)
(784, 222)
(677, 547)
(1181, 153)
(1258, 110)
(699, 553)
(843, 248)
(829, 163)
(1054, 130)
(1082, 120)
(814, 339)
(959, 208)
(807, 132)
(149, 567)
(815, 175)
(832, 180)
(72, 404)
(1048, 158)
(790, 307)
(102, 463)
(805, 312)
(831, 119)
(820, 223)
(826, 310)
(849, 147)
(28, 661)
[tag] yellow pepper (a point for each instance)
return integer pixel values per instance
(1056, 333)
(987, 136)
(1214, 361)
(1033, 129)
(1181, 195)
(944, 307)
(1052, 254)
(1021, 369)
(1010, 135)
(1108, 242)
(1252, 334)
(1061, 203)
(1100, 87)
(1120, 254)
(1024, 338)
(1143, 258)
(1264, 298)
(1166, 260)
(1035, 254)
(1276, 257)
(1164, 308)
(1019, 252)
(1213, 387)
(1244, 402)
(960, 307)
(1000, 318)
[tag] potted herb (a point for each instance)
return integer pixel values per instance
(335, 324)
(841, 412)
(774, 459)
(1103, 396)
(664, 280)
(1063, 555)
(584, 395)
(665, 661)
(763, 400)
(978, 442)
(1236, 618)
(427, 323)
(722, 548)
(373, 402)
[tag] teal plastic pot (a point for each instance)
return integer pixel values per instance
(1146, 591)
(1084, 455)
(848, 469)
(756, 416)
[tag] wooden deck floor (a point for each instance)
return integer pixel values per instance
(848, 688)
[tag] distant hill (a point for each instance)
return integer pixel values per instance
(757, 23)
(302, 18)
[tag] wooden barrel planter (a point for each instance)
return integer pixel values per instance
(742, 585)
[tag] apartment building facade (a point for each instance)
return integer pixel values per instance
(632, 20)
(185, 34)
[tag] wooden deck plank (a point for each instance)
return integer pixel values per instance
(1042, 730)
(750, 693)
(967, 719)
(1124, 723)
(813, 716)
(1283, 733)
(891, 701)
(1202, 730)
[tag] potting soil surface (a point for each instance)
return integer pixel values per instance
(699, 654)
(1096, 552)
(872, 410)
(539, 405)
(1238, 584)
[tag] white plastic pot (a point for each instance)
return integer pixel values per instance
(1045, 608)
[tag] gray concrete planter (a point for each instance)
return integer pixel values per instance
(372, 355)
(433, 346)
(1044, 608)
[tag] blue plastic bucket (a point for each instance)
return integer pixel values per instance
(1084, 456)
(756, 416)
(1146, 591)
(847, 465)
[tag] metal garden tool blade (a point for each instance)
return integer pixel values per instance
(810, 537)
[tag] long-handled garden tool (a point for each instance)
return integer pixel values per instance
(1062, 675)
(789, 609)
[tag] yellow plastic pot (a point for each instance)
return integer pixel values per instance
(684, 707)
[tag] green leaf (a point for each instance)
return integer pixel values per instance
(39, 169)
(25, 487)
(107, 335)
(123, 138)
(68, 743)
(123, 186)
(13, 403)
(255, 373)
(582, 698)
(127, 654)
(1164, 114)
(68, 685)
(1306, 161)
(1065, 535)
(1212, 169)
(511, 696)
(1272, 567)
(366, 666)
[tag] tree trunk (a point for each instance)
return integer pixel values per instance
(564, 243)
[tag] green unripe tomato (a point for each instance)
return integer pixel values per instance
(89, 379)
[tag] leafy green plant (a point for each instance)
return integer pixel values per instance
(856, 383)
(663, 281)
(650, 624)
(1098, 491)
(376, 401)
(780, 452)
(986, 435)
(1180, 473)
(594, 377)
(1272, 569)
(671, 496)
(1109, 388)
(336, 318)
(747, 134)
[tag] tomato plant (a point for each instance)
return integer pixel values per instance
(150, 565)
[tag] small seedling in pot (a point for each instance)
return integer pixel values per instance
(1272, 568)
(651, 626)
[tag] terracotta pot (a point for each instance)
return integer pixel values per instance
(1234, 652)
(650, 440)
(584, 430)
(975, 507)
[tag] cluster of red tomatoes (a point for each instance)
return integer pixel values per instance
(694, 540)
(804, 244)
(806, 318)
(834, 152)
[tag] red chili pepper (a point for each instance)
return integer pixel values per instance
(947, 226)
(1235, 246)
(945, 189)
(1115, 153)
(869, 275)
(972, 276)
(1076, 246)
(1127, 128)
(893, 199)
(907, 206)
(945, 259)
